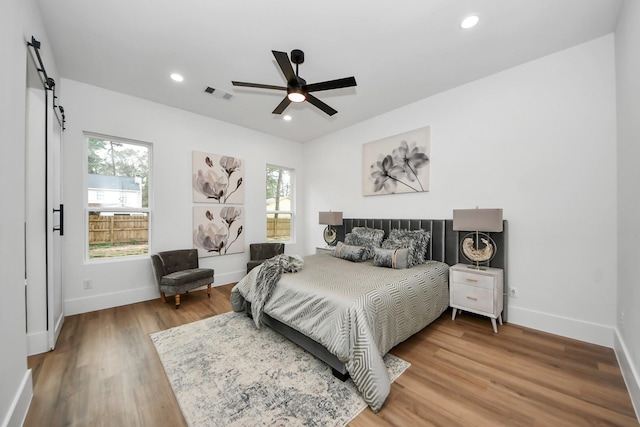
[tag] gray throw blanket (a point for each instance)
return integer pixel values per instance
(268, 276)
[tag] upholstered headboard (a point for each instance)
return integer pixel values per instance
(444, 244)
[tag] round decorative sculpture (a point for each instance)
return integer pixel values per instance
(478, 247)
(330, 236)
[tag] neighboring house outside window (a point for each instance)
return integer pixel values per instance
(117, 188)
(280, 200)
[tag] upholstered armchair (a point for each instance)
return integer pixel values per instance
(177, 272)
(260, 252)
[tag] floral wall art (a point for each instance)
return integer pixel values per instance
(217, 179)
(397, 164)
(218, 230)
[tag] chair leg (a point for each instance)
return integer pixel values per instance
(177, 301)
(209, 290)
(163, 297)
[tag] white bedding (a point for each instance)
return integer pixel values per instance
(355, 310)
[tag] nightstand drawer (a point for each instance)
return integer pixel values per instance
(472, 278)
(472, 297)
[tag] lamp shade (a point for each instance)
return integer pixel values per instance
(477, 220)
(330, 218)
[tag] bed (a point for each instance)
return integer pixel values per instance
(350, 314)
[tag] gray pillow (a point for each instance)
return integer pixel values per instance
(417, 241)
(355, 240)
(350, 252)
(367, 237)
(392, 258)
(372, 234)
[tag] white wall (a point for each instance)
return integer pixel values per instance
(628, 93)
(19, 20)
(538, 140)
(175, 134)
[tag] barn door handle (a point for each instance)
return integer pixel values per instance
(60, 228)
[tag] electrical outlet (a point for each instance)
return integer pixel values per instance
(87, 284)
(513, 292)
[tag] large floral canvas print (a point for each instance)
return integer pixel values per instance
(217, 230)
(397, 164)
(217, 179)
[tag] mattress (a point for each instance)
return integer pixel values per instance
(356, 310)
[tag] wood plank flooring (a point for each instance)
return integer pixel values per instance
(105, 372)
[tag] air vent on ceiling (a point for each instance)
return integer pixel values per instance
(218, 93)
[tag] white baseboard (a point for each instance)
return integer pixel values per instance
(112, 299)
(37, 342)
(563, 326)
(116, 299)
(629, 372)
(20, 405)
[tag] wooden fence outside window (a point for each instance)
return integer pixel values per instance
(278, 229)
(134, 229)
(118, 229)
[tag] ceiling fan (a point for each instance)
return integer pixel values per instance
(297, 88)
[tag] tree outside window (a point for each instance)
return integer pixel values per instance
(279, 202)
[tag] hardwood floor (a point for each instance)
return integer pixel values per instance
(105, 372)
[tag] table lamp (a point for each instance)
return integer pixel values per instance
(477, 246)
(330, 219)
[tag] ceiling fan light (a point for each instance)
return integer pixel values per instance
(296, 96)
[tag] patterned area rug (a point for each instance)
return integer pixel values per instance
(225, 372)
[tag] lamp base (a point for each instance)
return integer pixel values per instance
(330, 236)
(476, 267)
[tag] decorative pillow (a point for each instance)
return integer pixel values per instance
(372, 234)
(355, 240)
(369, 238)
(350, 252)
(417, 241)
(393, 258)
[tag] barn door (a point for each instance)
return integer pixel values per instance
(43, 208)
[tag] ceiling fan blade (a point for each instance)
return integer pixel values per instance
(331, 84)
(282, 106)
(321, 105)
(258, 85)
(285, 65)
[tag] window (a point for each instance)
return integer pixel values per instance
(118, 206)
(280, 202)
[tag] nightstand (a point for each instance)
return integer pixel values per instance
(477, 291)
(324, 249)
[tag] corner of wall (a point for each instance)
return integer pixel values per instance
(629, 372)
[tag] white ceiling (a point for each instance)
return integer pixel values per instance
(399, 52)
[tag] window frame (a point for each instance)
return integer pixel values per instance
(87, 209)
(291, 211)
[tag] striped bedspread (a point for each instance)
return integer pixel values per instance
(357, 311)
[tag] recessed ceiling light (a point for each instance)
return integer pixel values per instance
(469, 22)
(287, 118)
(177, 77)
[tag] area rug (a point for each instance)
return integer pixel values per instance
(226, 372)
